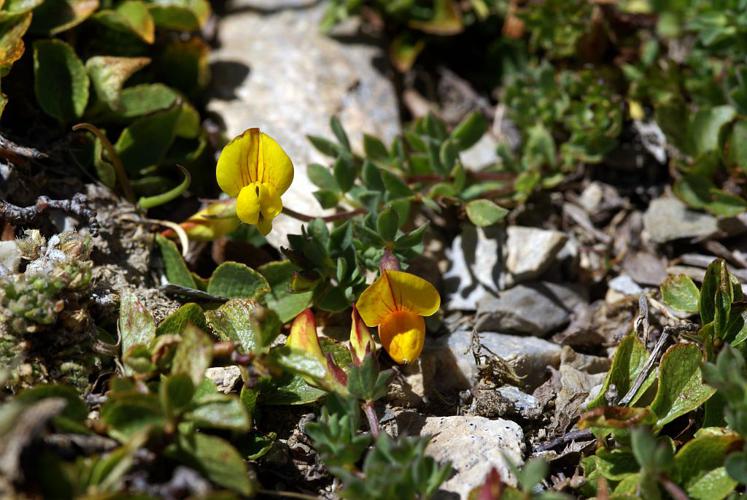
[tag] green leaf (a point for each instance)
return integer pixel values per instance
(339, 131)
(680, 293)
(324, 146)
(60, 80)
(193, 354)
(708, 290)
(374, 149)
(175, 322)
(299, 362)
(145, 142)
(176, 270)
(218, 411)
(52, 18)
(235, 280)
(183, 64)
(736, 466)
(345, 173)
(180, 15)
(629, 359)
(681, 389)
(136, 323)
(131, 16)
(698, 465)
(131, 414)
(366, 382)
(216, 459)
(176, 393)
(469, 131)
(540, 149)
(736, 145)
(108, 75)
(484, 212)
(142, 100)
(706, 127)
(289, 389)
(387, 224)
(395, 187)
(245, 321)
(282, 299)
(321, 177)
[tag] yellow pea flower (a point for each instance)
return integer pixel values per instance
(214, 221)
(396, 302)
(255, 170)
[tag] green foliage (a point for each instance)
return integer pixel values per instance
(84, 54)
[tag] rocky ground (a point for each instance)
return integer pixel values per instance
(531, 310)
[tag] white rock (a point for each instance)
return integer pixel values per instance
(474, 445)
(625, 285)
(225, 378)
(481, 154)
(530, 251)
(10, 257)
(474, 267)
(668, 219)
(275, 70)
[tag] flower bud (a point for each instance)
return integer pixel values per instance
(361, 342)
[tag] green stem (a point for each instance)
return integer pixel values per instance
(122, 179)
(154, 201)
(328, 218)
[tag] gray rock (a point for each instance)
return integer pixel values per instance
(668, 219)
(525, 405)
(625, 285)
(530, 251)
(474, 445)
(10, 257)
(225, 378)
(532, 309)
(474, 267)
(448, 364)
(275, 70)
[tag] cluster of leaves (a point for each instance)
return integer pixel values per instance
(121, 65)
(637, 411)
(391, 468)
(567, 69)
(420, 168)
(416, 22)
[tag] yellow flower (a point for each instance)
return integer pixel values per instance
(396, 302)
(255, 170)
(212, 222)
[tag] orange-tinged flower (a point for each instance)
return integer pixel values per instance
(396, 302)
(214, 221)
(361, 342)
(255, 170)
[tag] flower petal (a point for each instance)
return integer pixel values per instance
(238, 163)
(275, 167)
(376, 302)
(248, 204)
(270, 201)
(402, 335)
(413, 293)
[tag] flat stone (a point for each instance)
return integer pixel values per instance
(625, 285)
(448, 365)
(525, 405)
(474, 445)
(10, 257)
(668, 219)
(225, 378)
(481, 154)
(475, 267)
(530, 251)
(275, 70)
(533, 309)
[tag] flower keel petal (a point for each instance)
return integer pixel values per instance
(402, 335)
